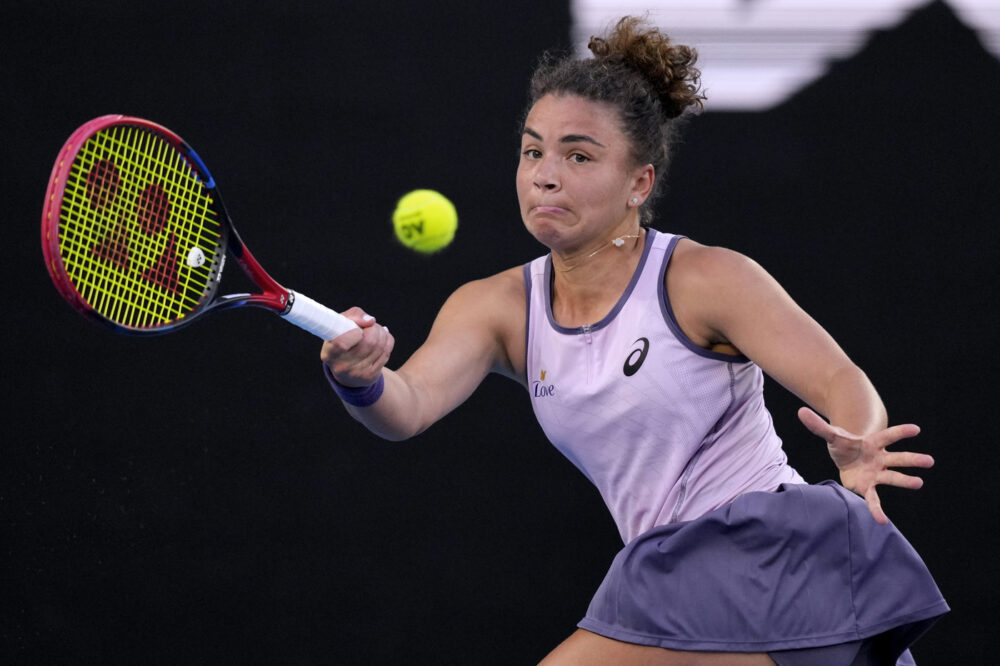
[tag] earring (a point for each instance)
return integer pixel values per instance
(635, 200)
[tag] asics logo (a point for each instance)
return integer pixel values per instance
(635, 359)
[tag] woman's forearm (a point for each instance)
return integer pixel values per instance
(852, 402)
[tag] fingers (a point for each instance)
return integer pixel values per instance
(908, 459)
(815, 423)
(889, 477)
(818, 426)
(357, 357)
(875, 506)
(899, 480)
(359, 317)
(352, 337)
(895, 433)
(378, 343)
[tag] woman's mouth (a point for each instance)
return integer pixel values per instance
(548, 210)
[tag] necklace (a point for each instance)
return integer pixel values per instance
(617, 242)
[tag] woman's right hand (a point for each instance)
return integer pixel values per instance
(357, 357)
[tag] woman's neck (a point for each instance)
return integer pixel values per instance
(585, 288)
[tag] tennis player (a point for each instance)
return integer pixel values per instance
(642, 353)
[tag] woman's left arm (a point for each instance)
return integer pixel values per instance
(729, 299)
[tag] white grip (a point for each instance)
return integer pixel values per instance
(318, 319)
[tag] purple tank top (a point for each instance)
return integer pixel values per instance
(666, 430)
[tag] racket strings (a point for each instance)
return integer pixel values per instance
(132, 207)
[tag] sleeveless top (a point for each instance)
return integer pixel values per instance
(665, 429)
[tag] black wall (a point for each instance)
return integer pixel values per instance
(201, 497)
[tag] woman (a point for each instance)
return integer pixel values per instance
(643, 353)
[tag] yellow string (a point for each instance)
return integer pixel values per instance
(142, 159)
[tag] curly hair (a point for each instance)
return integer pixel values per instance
(636, 69)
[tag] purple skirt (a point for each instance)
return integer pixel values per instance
(795, 571)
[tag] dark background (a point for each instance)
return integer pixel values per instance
(202, 497)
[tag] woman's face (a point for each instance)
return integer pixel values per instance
(576, 178)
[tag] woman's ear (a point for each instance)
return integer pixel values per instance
(643, 184)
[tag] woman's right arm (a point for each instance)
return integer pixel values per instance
(478, 330)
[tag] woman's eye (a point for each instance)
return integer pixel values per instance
(577, 158)
(532, 153)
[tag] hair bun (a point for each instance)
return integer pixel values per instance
(668, 67)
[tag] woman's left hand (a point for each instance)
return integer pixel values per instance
(864, 462)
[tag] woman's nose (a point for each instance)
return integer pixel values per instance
(547, 175)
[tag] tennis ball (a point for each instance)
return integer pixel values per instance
(425, 221)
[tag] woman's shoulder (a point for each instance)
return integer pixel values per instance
(497, 300)
(505, 284)
(703, 264)
(704, 285)
(494, 307)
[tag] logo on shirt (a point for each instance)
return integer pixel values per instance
(636, 358)
(542, 390)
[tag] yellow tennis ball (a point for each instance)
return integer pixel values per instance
(425, 221)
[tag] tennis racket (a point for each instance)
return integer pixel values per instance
(135, 235)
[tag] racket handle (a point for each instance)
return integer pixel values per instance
(316, 318)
